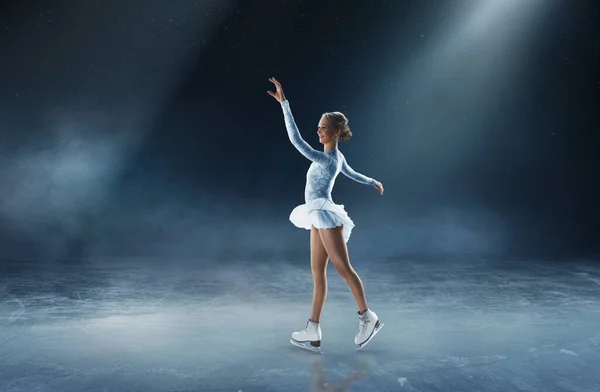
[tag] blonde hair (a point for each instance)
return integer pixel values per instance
(339, 121)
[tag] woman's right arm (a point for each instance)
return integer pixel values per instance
(292, 130)
(295, 137)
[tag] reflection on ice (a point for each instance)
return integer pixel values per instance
(320, 384)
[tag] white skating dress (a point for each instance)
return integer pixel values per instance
(319, 209)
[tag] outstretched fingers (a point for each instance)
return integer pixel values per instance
(276, 83)
(278, 95)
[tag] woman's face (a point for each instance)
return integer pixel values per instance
(326, 131)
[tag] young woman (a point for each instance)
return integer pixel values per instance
(329, 224)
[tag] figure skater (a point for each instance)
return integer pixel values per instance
(329, 224)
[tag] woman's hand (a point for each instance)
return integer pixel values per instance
(379, 187)
(278, 95)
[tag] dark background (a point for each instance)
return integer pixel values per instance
(137, 128)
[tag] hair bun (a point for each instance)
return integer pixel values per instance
(340, 121)
(346, 134)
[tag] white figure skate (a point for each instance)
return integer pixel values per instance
(309, 338)
(368, 326)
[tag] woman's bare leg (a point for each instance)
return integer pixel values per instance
(318, 266)
(333, 241)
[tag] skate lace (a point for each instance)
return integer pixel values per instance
(363, 326)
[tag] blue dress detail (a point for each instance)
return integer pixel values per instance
(319, 209)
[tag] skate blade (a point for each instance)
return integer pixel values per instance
(306, 346)
(375, 331)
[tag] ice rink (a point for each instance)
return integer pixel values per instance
(451, 324)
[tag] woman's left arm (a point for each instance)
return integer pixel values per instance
(356, 176)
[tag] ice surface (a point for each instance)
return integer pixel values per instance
(179, 325)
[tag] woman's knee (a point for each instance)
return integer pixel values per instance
(319, 278)
(319, 273)
(344, 269)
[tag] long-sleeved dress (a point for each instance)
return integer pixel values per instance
(319, 209)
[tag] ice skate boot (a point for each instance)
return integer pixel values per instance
(368, 326)
(309, 338)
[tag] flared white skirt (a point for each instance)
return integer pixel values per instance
(322, 214)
